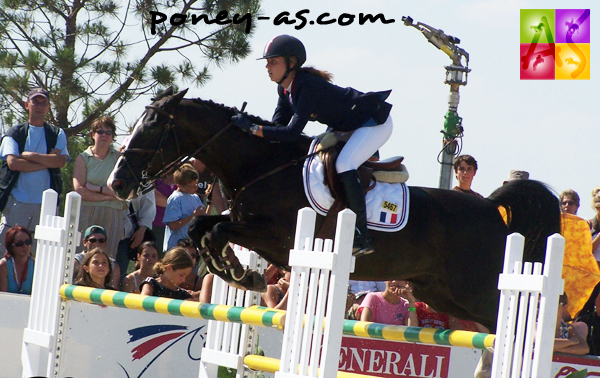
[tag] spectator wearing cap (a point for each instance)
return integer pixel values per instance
(516, 175)
(32, 154)
(92, 168)
(95, 237)
(465, 169)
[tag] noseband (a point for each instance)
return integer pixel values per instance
(146, 181)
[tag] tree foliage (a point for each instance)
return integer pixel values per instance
(95, 56)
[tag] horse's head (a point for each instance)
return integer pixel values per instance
(153, 146)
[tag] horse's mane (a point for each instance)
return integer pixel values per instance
(212, 105)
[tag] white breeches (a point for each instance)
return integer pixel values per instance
(363, 143)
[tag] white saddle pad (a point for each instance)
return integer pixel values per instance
(387, 204)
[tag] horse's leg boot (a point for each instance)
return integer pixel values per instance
(355, 198)
(252, 280)
(211, 257)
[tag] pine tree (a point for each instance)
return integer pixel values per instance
(95, 56)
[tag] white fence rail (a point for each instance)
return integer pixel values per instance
(57, 238)
(522, 331)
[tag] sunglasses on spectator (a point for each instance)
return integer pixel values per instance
(22, 243)
(94, 240)
(102, 132)
(568, 203)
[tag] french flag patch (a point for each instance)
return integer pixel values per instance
(389, 214)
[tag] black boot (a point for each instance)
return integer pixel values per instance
(355, 200)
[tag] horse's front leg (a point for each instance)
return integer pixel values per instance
(234, 273)
(199, 231)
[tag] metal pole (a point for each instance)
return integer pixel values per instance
(456, 75)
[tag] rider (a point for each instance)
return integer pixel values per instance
(306, 94)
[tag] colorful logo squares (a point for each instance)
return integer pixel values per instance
(555, 44)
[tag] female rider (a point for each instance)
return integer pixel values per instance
(306, 94)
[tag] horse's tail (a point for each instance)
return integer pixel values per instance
(533, 211)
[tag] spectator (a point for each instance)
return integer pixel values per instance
(569, 201)
(193, 281)
(96, 270)
(273, 273)
(32, 154)
(465, 169)
(90, 174)
(16, 268)
(163, 189)
(595, 224)
(207, 284)
(396, 305)
(147, 256)
(276, 295)
(353, 302)
(171, 273)
(95, 236)
(516, 175)
(570, 338)
(182, 205)
(137, 228)
(429, 318)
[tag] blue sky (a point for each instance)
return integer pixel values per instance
(549, 128)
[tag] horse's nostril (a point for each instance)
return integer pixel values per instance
(117, 184)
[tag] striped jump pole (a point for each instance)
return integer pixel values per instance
(265, 317)
(258, 316)
(435, 336)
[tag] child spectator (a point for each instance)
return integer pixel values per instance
(193, 281)
(353, 302)
(95, 236)
(570, 338)
(16, 268)
(183, 205)
(96, 270)
(147, 256)
(429, 318)
(276, 295)
(171, 272)
(388, 307)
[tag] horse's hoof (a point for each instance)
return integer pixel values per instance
(253, 281)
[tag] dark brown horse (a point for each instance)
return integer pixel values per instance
(451, 249)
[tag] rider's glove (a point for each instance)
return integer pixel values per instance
(243, 123)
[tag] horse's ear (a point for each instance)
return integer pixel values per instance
(165, 93)
(176, 98)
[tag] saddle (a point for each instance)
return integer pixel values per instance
(390, 170)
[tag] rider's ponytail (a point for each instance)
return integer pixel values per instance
(327, 76)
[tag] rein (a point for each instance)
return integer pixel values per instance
(147, 183)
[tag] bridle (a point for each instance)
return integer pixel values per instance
(146, 181)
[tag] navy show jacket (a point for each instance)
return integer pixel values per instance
(315, 99)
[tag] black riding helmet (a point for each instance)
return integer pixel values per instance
(286, 46)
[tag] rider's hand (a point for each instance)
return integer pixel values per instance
(242, 122)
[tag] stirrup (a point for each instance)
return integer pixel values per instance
(363, 245)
